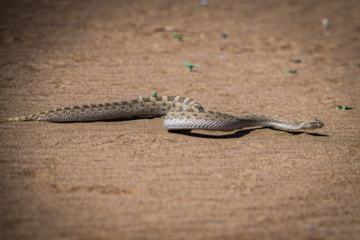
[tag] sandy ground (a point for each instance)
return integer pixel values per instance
(133, 179)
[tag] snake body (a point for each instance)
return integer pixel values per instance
(181, 113)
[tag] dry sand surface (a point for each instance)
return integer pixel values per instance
(133, 179)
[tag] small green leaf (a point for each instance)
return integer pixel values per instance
(153, 95)
(178, 36)
(343, 108)
(190, 66)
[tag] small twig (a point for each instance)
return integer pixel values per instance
(175, 29)
(292, 71)
(61, 24)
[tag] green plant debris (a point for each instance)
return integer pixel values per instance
(153, 95)
(343, 108)
(292, 71)
(178, 36)
(190, 66)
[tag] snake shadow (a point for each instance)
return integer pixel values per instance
(241, 133)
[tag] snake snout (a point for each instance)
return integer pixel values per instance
(316, 124)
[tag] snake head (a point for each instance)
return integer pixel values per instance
(315, 124)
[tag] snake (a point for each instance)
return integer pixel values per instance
(180, 113)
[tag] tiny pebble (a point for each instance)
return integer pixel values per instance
(221, 56)
(309, 228)
(325, 22)
(205, 2)
(297, 61)
(224, 34)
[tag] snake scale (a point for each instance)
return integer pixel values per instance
(181, 113)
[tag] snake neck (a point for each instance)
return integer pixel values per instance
(271, 121)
